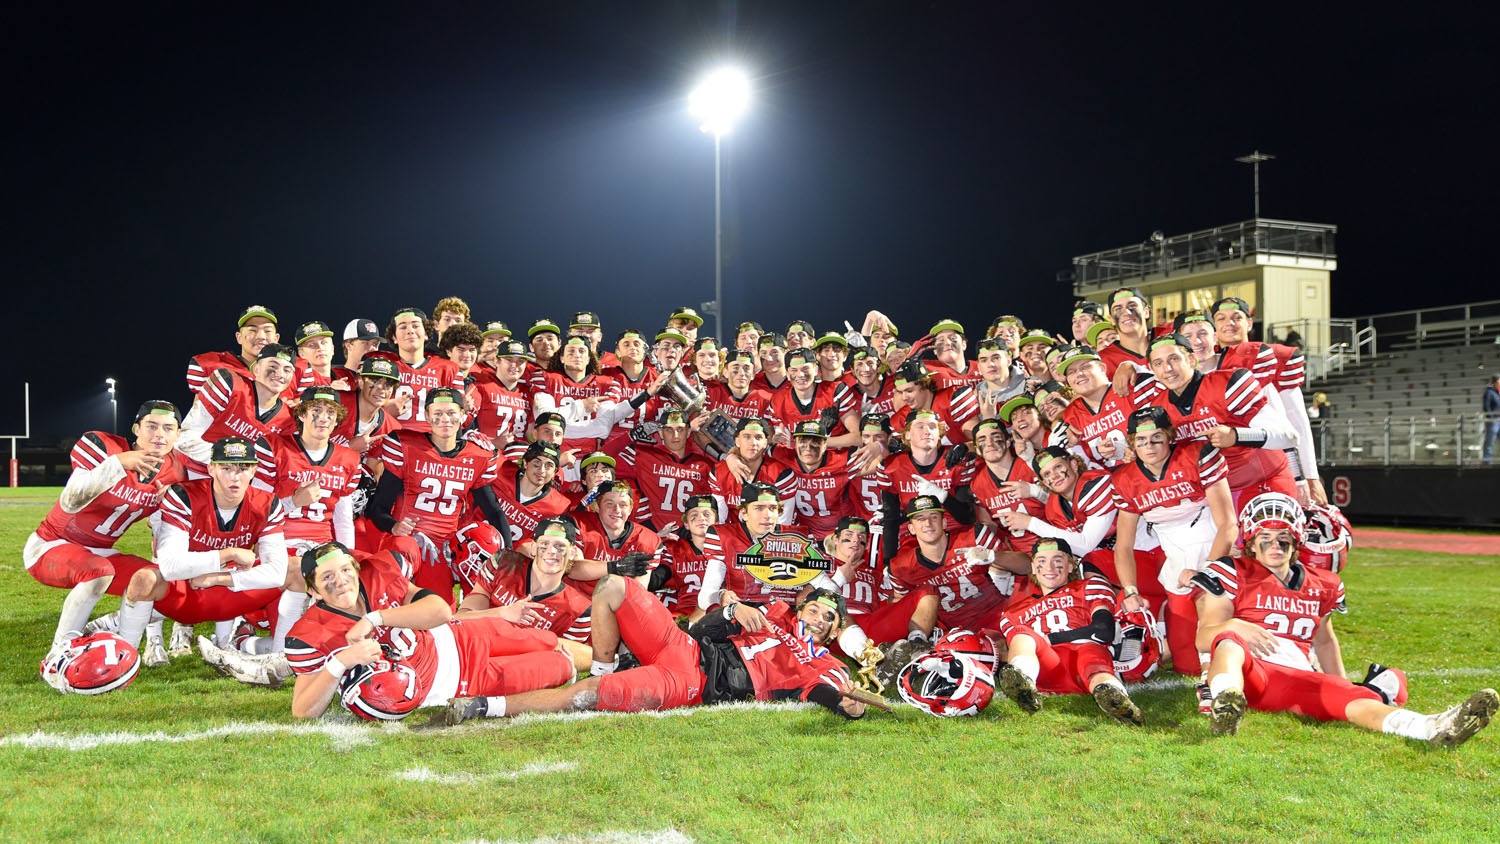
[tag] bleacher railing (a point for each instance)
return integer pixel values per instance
(1236, 243)
(1455, 440)
(1348, 343)
(1464, 324)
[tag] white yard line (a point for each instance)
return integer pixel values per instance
(342, 735)
(655, 836)
(461, 778)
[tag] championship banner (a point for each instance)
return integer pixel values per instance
(784, 560)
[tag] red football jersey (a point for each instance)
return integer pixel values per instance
(899, 475)
(756, 403)
(1274, 365)
(821, 496)
(498, 408)
(599, 547)
(781, 659)
(383, 423)
(416, 381)
(1096, 424)
(967, 597)
(321, 631)
(564, 611)
(884, 400)
(231, 401)
(826, 394)
(102, 521)
(866, 591)
(1291, 610)
(1068, 607)
(665, 481)
(437, 485)
(864, 497)
(524, 516)
(1092, 495)
(1115, 354)
(1225, 398)
(687, 563)
(337, 474)
(726, 487)
(733, 541)
(989, 492)
(189, 506)
(204, 365)
(1179, 491)
(565, 391)
(945, 377)
(954, 408)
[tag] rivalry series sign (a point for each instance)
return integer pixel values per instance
(784, 559)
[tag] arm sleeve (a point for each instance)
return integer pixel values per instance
(174, 559)
(1083, 540)
(194, 425)
(84, 485)
(343, 521)
(383, 501)
(270, 549)
(890, 514)
(961, 507)
(1296, 413)
(1269, 427)
(1100, 629)
(485, 500)
(713, 584)
(829, 698)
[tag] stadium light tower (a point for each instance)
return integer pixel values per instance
(718, 101)
(1254, 159)
(113, 417)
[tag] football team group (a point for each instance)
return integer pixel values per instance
(455, 516)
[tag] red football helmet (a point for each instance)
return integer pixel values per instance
(92, 665)
(1137, 649)
(471, 548)
(975, 646)
(1272, 511)
(381, 691)
(946, 684)
(1328, 540)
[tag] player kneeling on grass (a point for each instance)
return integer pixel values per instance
(1260, 615)
(1059, 635)
(367, 613)
(737, 652)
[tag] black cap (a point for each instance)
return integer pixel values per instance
(758, 491)
(549, 418)
(750, 324)
(851, 522)
(738, 355)
(772, 339)
(444, 394)
(881, 421)
(740, 426)
(161, 406)
(379, 368)
(695, 501)
(810, 428)
(1234, 302)
(512, 349)
(922, 504)
(495, 326)
(823, 595)
(909, 372)
(256, 311)
(706, 343)
(542, 449)
(1148, 418)
(316, 393)
(1047, 455)
(584, 319)
(1087, 307)
(801, 325)
(799, 355)
(557, 526)
(315, 328)
(233, 450)
(1051, 543)
(276, 350)
(400, 312)
(319, 553)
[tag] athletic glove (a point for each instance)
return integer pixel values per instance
(633, 564)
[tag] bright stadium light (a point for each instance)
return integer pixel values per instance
(114, 419)
(720, 99)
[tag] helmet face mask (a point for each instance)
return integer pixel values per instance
(381, 691)
(1272, 511)
(945, 684)
(92, 665)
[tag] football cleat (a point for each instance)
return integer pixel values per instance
(1205, 699)
(461, 709)
(91, 665)
(897, 658)
(155, 654)
(109, 623)
(1019, 688)
(181, 643)
(1460, 723)
(1118, 705)
(1227, 710)
(270, 670)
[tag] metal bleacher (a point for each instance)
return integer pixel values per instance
(1417, 399)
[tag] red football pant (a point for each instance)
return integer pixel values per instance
(1181, 617)
(1275, 688)
(891, 622)
(669, 676)
(67, 566)
(497, 657)
(1066, 668)
(1282, 482)
(425, 575)
(1147, 572)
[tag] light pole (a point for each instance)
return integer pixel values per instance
(113, 417)
(718, 100)
(1254, 159)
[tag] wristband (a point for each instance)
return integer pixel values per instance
(729, 611)
(334, 667)
(1131, 591)
(374, 618)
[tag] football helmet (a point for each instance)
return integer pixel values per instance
(1389, 683)
(471, 548)
(92, 665)
(1328, 538)
(381, 691)
(1272, 511)
(975, 646)
(946, 684)
(1137, 649)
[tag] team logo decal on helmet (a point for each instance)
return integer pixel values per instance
(92, 665)
(381, 691)
(946, 685)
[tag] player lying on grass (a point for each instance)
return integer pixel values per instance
(1261, 615)
(366, 611)
(1059, 630)
(737, 652)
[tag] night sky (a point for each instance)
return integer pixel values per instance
(169, 167)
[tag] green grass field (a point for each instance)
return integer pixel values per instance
(186, 755)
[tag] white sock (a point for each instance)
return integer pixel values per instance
(1220, 682)
(1112, 681)
(153, 627)
(1408, 724)
(223, 632)
(78, 606)
(599, 669)
(257, 645)
(134, 616)
(494, 707)
(1027, 664)
(289, 608)
(916, 636)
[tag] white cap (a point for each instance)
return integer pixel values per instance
(362, 329)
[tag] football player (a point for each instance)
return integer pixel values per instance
(574, 387)
(448, 312)
(1181, 492)
(367, 611)
(610, 535)
(112, 486)
(421, 371)
(229, 405)
(545, 338)
(999, 382)
(210, 566)
(749, 462)
(1058, 630)
(951, 368)
(759, 514)
(736, 396)
(916, 389)
(667, 475)
(926, 467)
(494, 333)
(315, 355)
(771, 351)
(256, 328)
(1096, 416)
(1034, 345)
(687, 552)
(370, 411)
(799, 335)
(742, 651)
(1003, 482)
(685, 321)
(817, 482)
(1261, 617)
(1086, 315)
(874, 387)
(361, 337)
(832, 350)
(526, 492)
(1130, 312)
